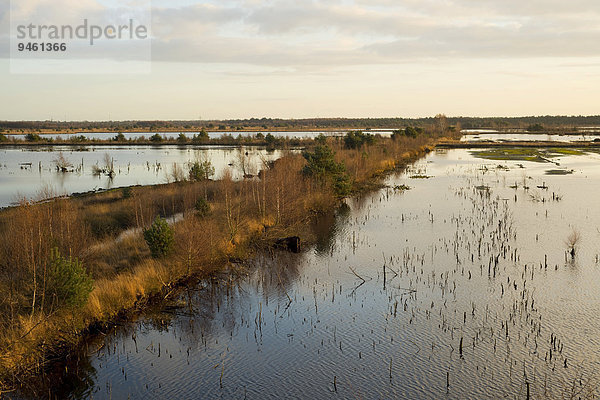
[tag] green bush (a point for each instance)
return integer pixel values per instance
(160, 238)
(356, 139)
(203, 134)
(409, 131)
(271, 140)
(321, 139)
(3, 138)
(321, 163)
(342, 186)
(156, 138)
(202, 207)
(201, 137)
(182, 138)
(127, 192)
(201, 171)
(33, 137)
(322, 166)
(68, 280)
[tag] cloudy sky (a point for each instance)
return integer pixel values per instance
(325, 58)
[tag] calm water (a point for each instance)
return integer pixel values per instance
(530, 137)
(212, 135)
(458, 288)
(25, 171)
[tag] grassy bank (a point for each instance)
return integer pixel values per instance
(69, 264)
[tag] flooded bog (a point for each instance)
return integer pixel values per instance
(463, 286)
(27, 171)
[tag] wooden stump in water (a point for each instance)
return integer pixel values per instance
(292, 243)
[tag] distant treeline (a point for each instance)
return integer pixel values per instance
(548, 122)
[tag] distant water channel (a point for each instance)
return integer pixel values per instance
(460, 287)
(490, 136)
(27, 171)
(212, 135)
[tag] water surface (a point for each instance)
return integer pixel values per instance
(491, 136)
(460, 287)
(27, 171)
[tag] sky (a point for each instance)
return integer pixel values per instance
(320, 58)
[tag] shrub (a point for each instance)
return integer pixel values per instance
(322, 166)
(159, 237)
(68, 280)
(202, 207)
(356, 139)
(201, 170)
(203, 134)
(342, 186)
(201, 137)
(3, 138)
(409, 131)
(321, 139)
(182, 138)
(119, 138)
(33, 137)
(535, 128)
(156, 138)
(271, 141)
(127, 192)
(321, 163)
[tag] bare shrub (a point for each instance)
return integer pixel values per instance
(572, 241)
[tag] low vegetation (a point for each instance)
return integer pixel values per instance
(159, 238)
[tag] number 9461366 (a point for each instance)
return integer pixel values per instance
(42, 46)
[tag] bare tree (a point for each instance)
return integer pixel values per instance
(572, 241)
(177, 173)
(441, 123)
(244, 162)
(62, 164)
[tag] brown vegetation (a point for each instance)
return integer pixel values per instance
(104, 233)
(553, 123)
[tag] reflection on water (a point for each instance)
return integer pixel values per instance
(328, 227)
(461, 287)
(26, 171)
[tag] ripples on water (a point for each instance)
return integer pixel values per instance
(460, 258)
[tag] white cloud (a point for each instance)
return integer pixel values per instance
(331, 32)
(295, 58)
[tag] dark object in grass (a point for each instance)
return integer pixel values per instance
(292, 243)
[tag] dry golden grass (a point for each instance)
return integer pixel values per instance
(113, 295)
(110, 257)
